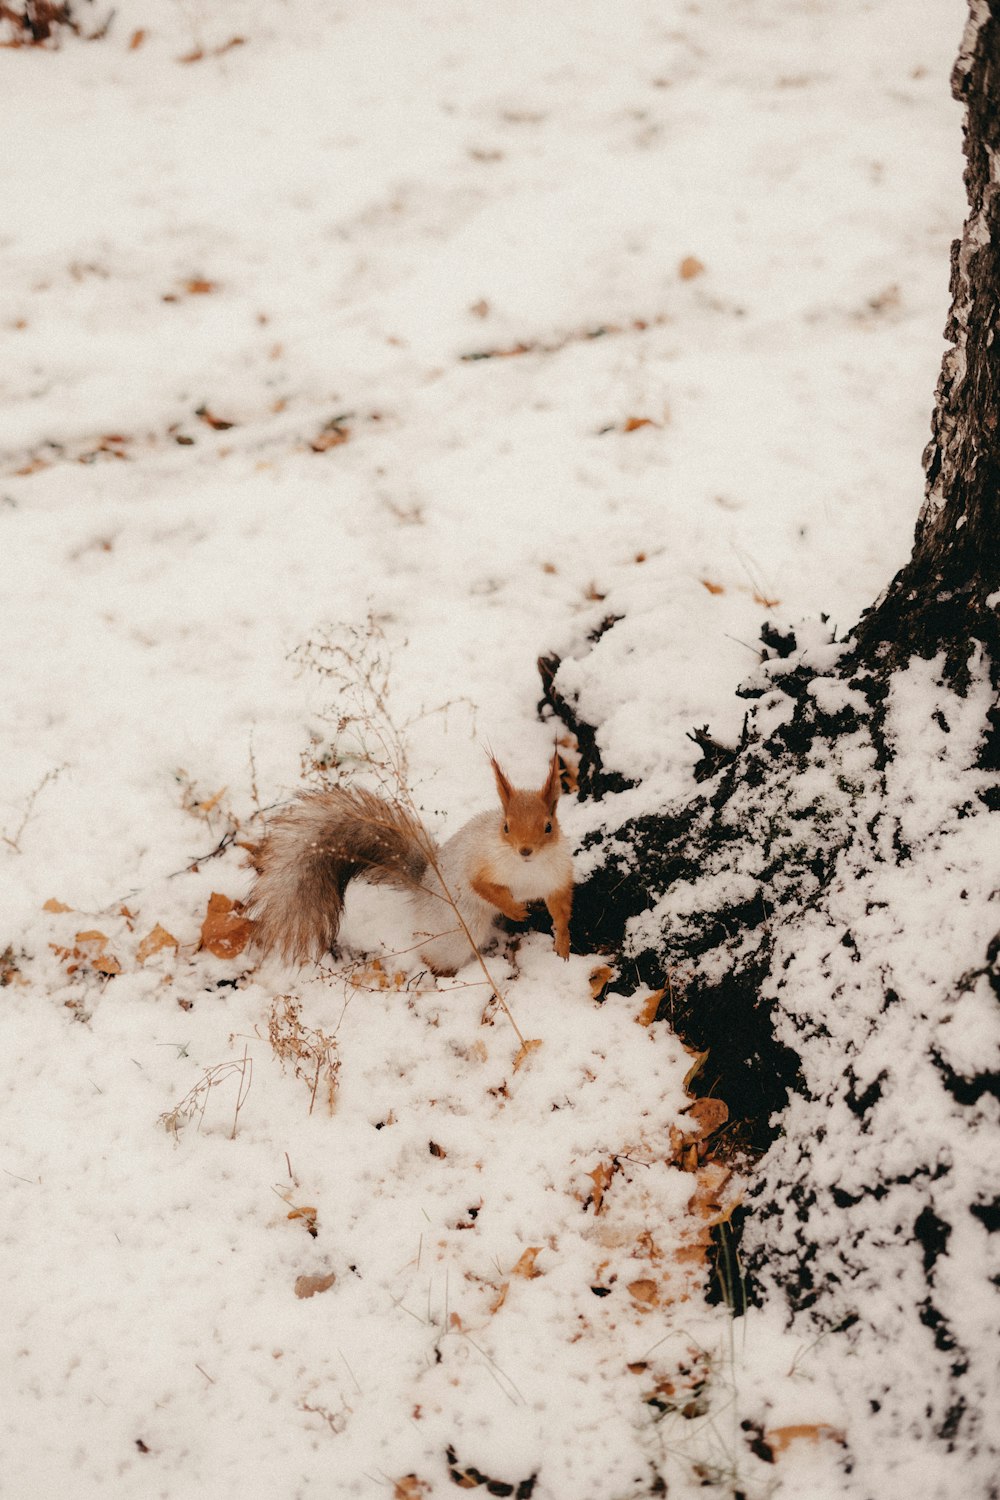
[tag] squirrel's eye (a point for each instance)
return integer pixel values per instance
(548, 828)
(506, 828)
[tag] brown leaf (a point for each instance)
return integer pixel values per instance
(644, 1291)
(709, 1116)
(765, 601)
(780, 1438)
(410, 1488)
(93, 936)
(525, 1050)
(713, 588)
(526, 1264)
(217, 424)
(136, 40)
(690, 267)
(308, 1286)
(197, 286)
(224, 932)
(53, 905)
(106, 963)
(500, 1298)
(600, 978)
(154, 941)
(331, 435)
(632, 424)
(601, 1178)
(308, 1216)
(651, 1004)
(700, 1059)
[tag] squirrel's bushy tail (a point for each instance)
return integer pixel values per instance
(311, 853)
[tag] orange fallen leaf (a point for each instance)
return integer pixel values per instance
(106, 963)
(700, 1059)
(651, 1004)
(217, 424)
(308, 1286)
(525, 1050)
(500, 1298)
(690, 267)
(53, 905)
(632, 424)
(154, 941)
(709, 1116)
(526, 1263)
(600, 978)
(224, 932)
(136, 39)
(765, 601)
(410, 1488)
(713, 588)
(308, 1216)
(93, 936)
(644, 1291)
(778, 1439)
(601, 1178)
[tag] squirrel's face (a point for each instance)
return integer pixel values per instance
(529, 822)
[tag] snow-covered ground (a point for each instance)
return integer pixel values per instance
(586, 311)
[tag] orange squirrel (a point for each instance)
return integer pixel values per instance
(497, 862)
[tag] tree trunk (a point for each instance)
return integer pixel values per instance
(940, 598)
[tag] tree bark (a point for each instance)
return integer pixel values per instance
(940, 599)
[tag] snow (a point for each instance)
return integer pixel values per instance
(328, 221)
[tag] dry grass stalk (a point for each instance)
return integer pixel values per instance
(195, 1101)
(311, 1053)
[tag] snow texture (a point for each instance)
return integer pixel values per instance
(470, 322)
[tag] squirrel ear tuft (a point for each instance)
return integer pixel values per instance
(553, 785)
(504, 788)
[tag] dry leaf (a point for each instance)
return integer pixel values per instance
(217, 424)
(136, 39)
(154, 941)
(632, 424)
(106, 963)
(713, 588)
(224, 932)
(600, 979)
(644, 1292)
(763, 599)
(780, 1438)
(331, 436)
(690, 267)
(308, 1286)
(525, 1050)
(700, 1059)
(601, 1178)
(526, 1264)
(197, 286)
(709, 1116)
(651, 1004)
(410, 1488)
(53, 905)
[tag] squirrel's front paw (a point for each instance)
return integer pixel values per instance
(562, 944)
(516, 911)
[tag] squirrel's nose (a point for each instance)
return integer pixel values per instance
(525, 853)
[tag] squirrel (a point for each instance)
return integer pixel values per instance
(496, 863)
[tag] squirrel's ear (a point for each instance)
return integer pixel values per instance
(504, 788)
(553, 786)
